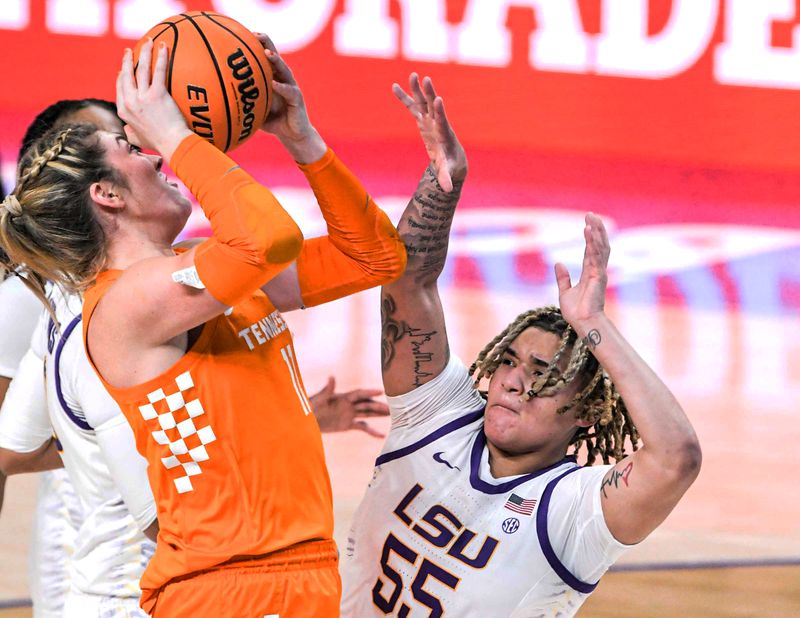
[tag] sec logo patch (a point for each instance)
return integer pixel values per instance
(511, 525)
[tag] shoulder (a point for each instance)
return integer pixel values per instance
(449, 393)
(577, 481)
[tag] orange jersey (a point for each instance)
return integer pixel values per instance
(235, 455)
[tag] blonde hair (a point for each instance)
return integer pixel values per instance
(598, 401)
(48, 227)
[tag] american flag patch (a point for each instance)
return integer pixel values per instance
(520, 505)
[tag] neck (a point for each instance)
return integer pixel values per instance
(126, 249)
(502, 463)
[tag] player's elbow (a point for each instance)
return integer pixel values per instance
(284, 244)
(12, 462)
(265, 234)
(278, 243)
(392, 262)
(387, 262)
(691, 456)
(685, 458)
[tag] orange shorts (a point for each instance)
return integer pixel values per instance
(299, 582)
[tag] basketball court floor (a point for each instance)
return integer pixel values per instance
(705, 282)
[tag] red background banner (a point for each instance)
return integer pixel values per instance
(693, 115)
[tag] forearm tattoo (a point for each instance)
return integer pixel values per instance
(425, 227)
(592, 339)
(393, 331)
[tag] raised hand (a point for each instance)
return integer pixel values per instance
(288, 117)
(586, 299)
(344, 411)
(447, 156)
(152, 118)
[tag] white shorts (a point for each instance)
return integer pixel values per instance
(81, 605)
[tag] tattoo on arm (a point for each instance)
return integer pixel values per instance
(391, 330)
(394, 330)
(592, 339)
(425, 227)
(614, 477)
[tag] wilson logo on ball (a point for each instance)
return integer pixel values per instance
(243, 73)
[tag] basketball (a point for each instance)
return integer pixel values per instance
(217, 73)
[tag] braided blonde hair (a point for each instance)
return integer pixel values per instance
(48, 228)
(598, 401)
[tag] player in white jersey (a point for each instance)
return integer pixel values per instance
(57, 512)
(475, 508)
(100, 458)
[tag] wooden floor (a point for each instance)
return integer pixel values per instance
(767, 592)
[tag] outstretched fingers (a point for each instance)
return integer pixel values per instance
(562, 278)
(405, 99)
(365, 427)
(416, 92)
(429, 92)
(597, 251)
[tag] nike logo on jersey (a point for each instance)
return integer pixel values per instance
(438, 457)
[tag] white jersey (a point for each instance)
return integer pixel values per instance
(98, 450)
(58, 512)
(111, 551)
(437, 534)
(56, 520)
(19, 312)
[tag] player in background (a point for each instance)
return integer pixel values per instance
(57, 513)
(477, 507)
(112, 550)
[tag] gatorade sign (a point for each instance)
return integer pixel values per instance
(699, 81)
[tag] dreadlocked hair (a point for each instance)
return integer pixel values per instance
(48, 228)
(598, 401)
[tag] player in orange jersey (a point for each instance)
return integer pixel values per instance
(193, 346)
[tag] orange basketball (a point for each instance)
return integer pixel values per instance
(217, 73)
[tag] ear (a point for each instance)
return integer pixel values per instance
(106, 194)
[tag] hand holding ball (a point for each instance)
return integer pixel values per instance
(217, 73)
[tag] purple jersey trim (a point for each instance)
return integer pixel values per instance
(450, 427)
(71, 414)
(500, 488)
(544, 539)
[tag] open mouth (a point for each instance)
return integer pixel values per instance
(163, 177)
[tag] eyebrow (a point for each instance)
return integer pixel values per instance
(119, 138)
(533, 359)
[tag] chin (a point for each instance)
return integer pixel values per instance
(499, 427)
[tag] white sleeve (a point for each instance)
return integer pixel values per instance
(24, 422)
(576, 516)
(128, 468)
(450, 393)
(85, 388)
(114, 436)
(19, 311)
